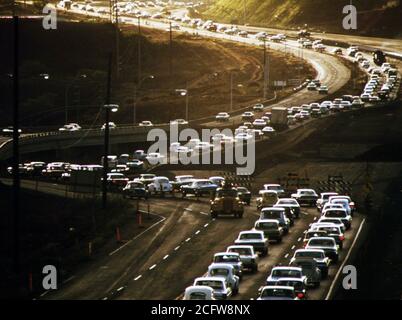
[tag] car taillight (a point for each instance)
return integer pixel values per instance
(341, 238)
(300, 295)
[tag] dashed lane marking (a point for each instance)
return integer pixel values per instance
(286, 255)
(152, 267)
(165, 257)
(177, 248)
(198, 231)
(204, 213)
(188, 239)
(206, 225)
(138, 277)
(293, 247)
(298, 240)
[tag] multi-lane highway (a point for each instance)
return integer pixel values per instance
(165, 258)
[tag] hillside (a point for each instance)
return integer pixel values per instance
(375, 17)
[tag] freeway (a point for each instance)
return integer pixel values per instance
(178, 249)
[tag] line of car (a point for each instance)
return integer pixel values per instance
(322, 242)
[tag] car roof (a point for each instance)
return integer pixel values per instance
(220, 265)
(278, 287)
(313, 250)
(199, 288)
(273, 209)
(209, 279)
(287, 268)
(268, 220)
(250, 231)
(290, 279)
(226, 253)
(322, 238)
(241, 246)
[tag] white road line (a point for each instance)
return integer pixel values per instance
(204, 213)
(293, 247)
(45, 293)
(305, 213)
(315, 218)
(177, 248)
(331, 288)
(286, 255)
(139, 235)
(206, 225)
(69, 279)
(120, 289)
(188, 209)
(298, 240)
(188, 239)
(165, 257)
(152, 267)
(138, 277)
(198, 231)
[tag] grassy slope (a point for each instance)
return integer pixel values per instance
(327, 15)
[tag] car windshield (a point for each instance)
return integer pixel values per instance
(226, 258)
(326, 196)
(307, 193)
(203, 183)
(136, 185)
(275, 188)
(267, 225)
(147, 176)
(286, 273)
(309, 254)
(243, 190)
(210, 283)
(198, 296)
(242, 251)
(287, 201)
(226, 193)
(321, 242)
(330, 230)
(248, 236)
(277, 292)
(297, 285)
(336, 214)
(272, 214)
(320, 233)
(219, 272)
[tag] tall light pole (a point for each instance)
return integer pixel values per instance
(184, 93)
(139, 50)
(231, 91)
(16, 174)
(136, 88)
(107, 108)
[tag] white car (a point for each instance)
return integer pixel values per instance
(179, 121)
(112, 125)
(199, 293)
(227, 272)
(259, 107)
(218, 284)
(268, 130)
(222, 116)
(70, 127)
(248, 115)
(243, 136)
(259, 123)
(323, 199)
(146, 123)
(155, 158)
(160, 185)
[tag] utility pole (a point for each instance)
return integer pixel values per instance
(139, 50)
(106, 151)
(187, 101)
(170, 49)
(117, 42)
(244, 12)
(231, 91)
(16, 173)
(265, 69)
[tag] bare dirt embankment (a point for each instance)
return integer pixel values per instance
(76, 49)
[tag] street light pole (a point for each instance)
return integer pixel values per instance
(16, 174)
(231, 91)
(187, 103)
(106, 143)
